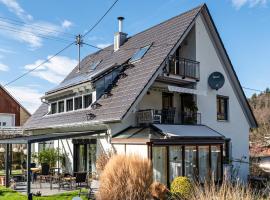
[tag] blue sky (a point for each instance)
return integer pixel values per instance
(243, 26)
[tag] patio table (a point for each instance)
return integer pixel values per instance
(35, 169)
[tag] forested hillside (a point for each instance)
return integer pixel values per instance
(260, 104)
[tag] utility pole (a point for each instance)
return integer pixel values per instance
(79, 43)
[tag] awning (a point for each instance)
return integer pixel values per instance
(186, 90)
(47, 137)
(184, 131)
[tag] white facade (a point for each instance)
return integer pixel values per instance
(237, 127)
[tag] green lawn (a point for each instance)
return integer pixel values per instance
(8, 194)
(14, 172)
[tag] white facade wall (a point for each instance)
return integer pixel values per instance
(237, 127)
(141, 150)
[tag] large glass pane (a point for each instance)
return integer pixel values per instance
(204, 163)
(81, 159)
(100, 87)
(108, 80)
(216, 162)
(175, 161)
(160, 164)
(190, 162)
(92, 157)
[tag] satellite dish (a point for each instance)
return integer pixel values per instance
(216, 80)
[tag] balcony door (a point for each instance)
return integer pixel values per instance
(168, 111)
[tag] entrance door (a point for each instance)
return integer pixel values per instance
(85, 155)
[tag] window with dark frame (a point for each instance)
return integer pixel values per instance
(222, 108)
(87, 100)
(226, 151)
(54, 108)
(69, 106)
(61, 106)
(78, 103)
(139, 54)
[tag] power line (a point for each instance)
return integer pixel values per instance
(8, 28)
(94, 26)
(256, 90)
(47, 60)
(38, 27)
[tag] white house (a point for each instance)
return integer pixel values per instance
(168, 93)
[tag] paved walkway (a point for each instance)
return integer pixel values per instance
(45, 188)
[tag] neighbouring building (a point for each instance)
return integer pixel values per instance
(168, 93)
(12, 113)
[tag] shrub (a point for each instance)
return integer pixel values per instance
(125, 177)
(159, 191)
(102, 160)
(226, 191)
(182, 187)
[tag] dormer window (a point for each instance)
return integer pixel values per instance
(87, 100)
(61, 106)
(54, 108)
(71, 103)
(139, 54)
(78, 103)
(94, 65)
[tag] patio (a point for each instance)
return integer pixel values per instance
(52, 182)
(46, 189)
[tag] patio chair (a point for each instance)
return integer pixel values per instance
(81, 179)
(44, 176)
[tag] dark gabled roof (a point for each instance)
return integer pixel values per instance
(163, 37)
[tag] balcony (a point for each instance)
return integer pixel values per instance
(185, 68)
(167, 116)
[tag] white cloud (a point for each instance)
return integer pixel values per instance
(3, 67)
(15, 8)
(2, 50)
(103, 45)
(67, 24)
(251, 3)
(30, 33)
(55, 70)
(28, 96)
(34, 31)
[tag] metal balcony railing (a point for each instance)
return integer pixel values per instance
(167, 116)
(184, 67)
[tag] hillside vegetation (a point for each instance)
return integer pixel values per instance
(260, 104)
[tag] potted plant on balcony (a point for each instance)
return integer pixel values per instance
(193, 109)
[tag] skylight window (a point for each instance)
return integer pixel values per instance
(93, 65)
(139, 54)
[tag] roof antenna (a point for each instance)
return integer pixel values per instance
(79, 42)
